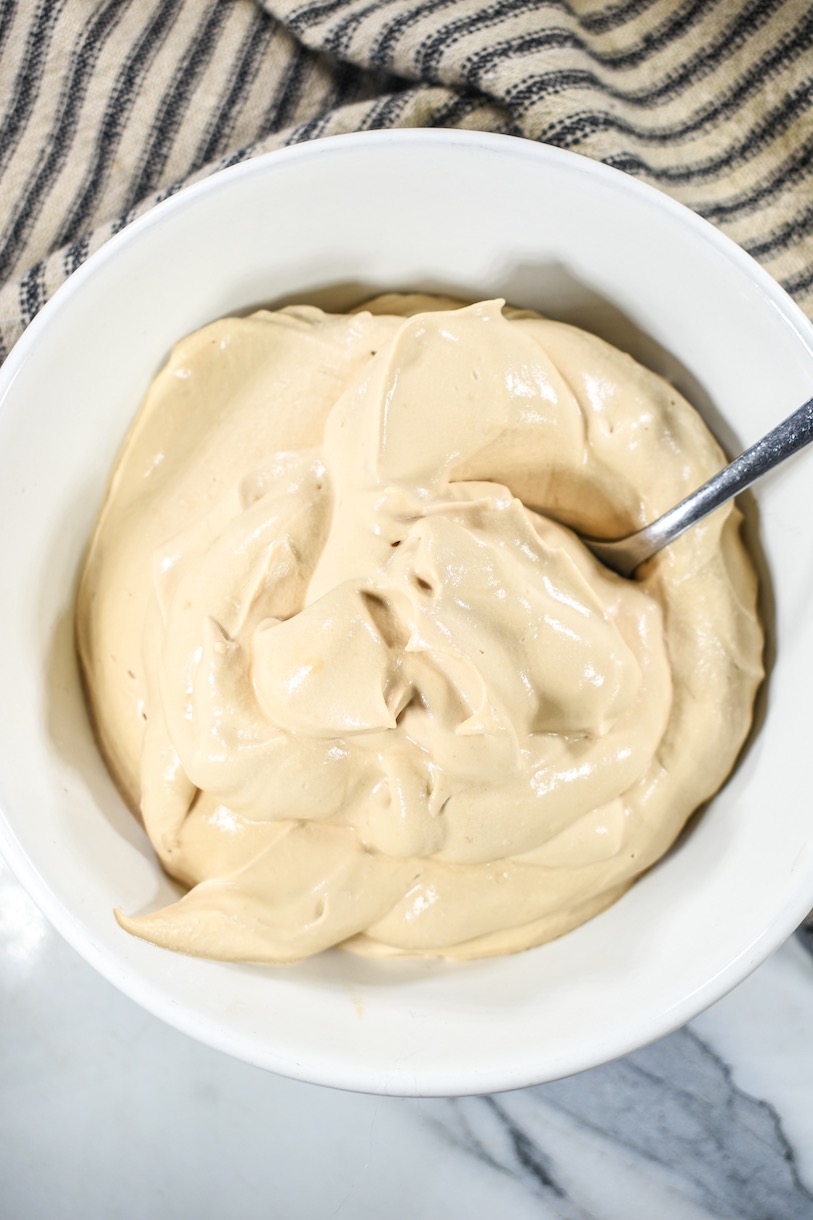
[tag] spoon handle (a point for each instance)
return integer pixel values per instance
(785, 439)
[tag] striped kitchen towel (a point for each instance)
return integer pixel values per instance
(107, 106)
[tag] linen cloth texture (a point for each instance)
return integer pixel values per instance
(107, 106)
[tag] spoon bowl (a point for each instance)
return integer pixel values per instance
(624, 555)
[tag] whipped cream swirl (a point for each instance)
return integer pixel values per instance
(349, 659)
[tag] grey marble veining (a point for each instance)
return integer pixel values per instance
(671, 1111)
(107, 1114)
(805, 934)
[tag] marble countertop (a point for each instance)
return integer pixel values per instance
(107, 1113)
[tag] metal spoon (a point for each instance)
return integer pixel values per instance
(626, 554)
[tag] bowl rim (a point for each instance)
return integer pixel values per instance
(331, 1069)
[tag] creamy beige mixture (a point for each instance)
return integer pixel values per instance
(347, 658)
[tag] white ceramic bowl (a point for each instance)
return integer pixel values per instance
(479, 216)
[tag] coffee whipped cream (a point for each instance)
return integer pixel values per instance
(348, 658)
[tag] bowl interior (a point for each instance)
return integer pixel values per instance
(334, 222)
